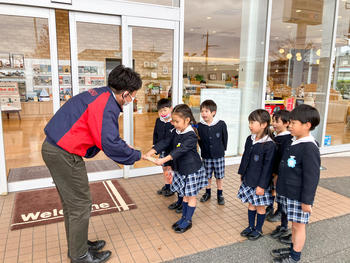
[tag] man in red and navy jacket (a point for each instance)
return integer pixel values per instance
(84, 125)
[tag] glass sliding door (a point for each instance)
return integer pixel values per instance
(153, 58)
(96, 49)
(27, 84)
(299, 55)
(338, 119)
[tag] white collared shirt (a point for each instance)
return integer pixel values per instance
(215, 121)
(308, 138)
(188, 129)
(282, 133)
(266, 138)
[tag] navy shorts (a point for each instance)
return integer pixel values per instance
(215, 165)
(293, 210)
(247, 194)
(189, 185)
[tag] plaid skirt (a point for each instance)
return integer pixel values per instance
(189, 185)
(215, 165)
(247, 194)
(293, 210)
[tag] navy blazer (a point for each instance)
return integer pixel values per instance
(213, 140)
(257, 163)
(186, 159)
(299, 172)
(161, 131)
(282, 142)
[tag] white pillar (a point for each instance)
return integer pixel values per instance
(252, 69)
(3, 176)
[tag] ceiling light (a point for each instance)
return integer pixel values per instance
(208, 17)
(281, 50)
(289, 26)
(298, 54)
(299, 58)
(289, 56)
(318, 52)
(298, 10)
(317, 61)
(191, 68)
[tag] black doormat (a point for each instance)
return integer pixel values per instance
(38, 172)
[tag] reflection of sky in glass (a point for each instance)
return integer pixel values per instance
(19, 33)
(221, 21)
(153, 39)
(97, 37)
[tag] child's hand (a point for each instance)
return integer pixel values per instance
(275, 180)
(259, 190)
(160, 161)
(306, 208)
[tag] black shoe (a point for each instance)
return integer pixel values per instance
(175, 225)
(276, 217)
(254, 235)
(279, 231)
(174, 205)
(183, 230)
(221, 200)
(269, 211)
(96, 245)
(93, 257)
(246, 231)
(205, 197)
(178, 210)
(287, 240)
(280, 252)
(168, 192)
(285, 259)
(160, 191)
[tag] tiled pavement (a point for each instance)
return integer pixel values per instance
(145, 235)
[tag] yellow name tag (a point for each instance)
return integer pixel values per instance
(178, 145)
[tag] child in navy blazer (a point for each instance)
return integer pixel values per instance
(256, 172)
(162, 130)
(283, 139)
(213, 143)
(298, 177)
(189, 173)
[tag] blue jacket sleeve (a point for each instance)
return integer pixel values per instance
(187, 145)
(266, 173)
(112, 145)
(311, 173)
(163, 144)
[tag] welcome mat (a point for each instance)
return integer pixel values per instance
(39, 207)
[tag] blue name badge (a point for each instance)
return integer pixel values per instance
(291, 161)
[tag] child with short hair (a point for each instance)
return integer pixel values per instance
(283, 139)
(298, 177)
(256, 172)
(213, 143)
(189, 173)
(162, 129)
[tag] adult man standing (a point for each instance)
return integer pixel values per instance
(84, 125)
